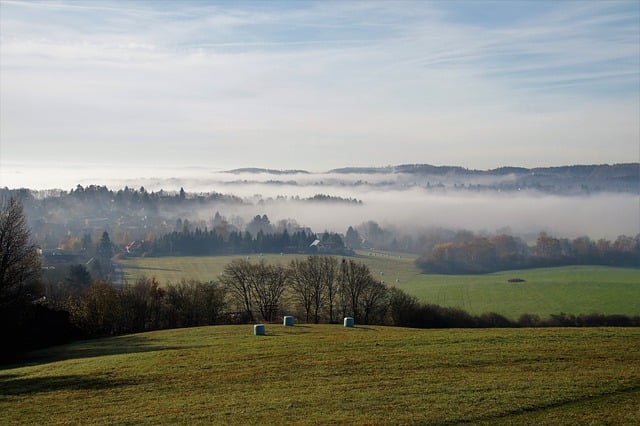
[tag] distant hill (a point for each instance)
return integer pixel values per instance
(266, 171)
(364, 170)
(581, 178)
(593, 170)
(565, 180)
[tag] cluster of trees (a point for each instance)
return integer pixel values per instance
(104, 310)
(64, 219)
(334, 199)
(469, 253)
(217, 241)
(319, 289)
(80, 266)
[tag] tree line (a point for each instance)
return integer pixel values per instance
(211, 242)
(316, 289)
(469, 253)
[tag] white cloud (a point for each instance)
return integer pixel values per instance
(317, 85)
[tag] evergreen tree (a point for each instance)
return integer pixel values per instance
(79, 277)
(104, 253)
(352, 238)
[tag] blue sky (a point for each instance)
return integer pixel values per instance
(318, 85)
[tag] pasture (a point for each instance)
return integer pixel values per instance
(545, 291)
(328, 374)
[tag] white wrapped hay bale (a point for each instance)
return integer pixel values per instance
(258, 330)
(348, 322)
(288, 321)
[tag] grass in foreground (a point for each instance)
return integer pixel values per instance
(328, 374)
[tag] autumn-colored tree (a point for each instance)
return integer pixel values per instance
(71, 244)
(98, 311)
(548, 247)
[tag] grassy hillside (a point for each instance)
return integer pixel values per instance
(332, 375)
(546, 291)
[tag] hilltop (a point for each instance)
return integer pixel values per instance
(256, 170)
(329, 374)
(564, 180)
(560, 179)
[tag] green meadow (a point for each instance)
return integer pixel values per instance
(545, 291)
(328, 374)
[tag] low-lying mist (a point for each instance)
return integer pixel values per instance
(403, 201)
(598, 216)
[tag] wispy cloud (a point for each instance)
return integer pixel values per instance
(320, 84)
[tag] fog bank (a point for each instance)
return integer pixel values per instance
(407, 202)
(598, 216)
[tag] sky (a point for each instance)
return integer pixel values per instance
(318, 85)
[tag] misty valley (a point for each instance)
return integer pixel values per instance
(93, 243)
(455, 220)
(412, 212)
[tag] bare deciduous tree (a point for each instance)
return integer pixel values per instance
(268, 284)
(371, 300)
(305, 279)
(354, 278)
(237, 279)
(255, 286)
(19, 260)
(329, 267)
(313, 285)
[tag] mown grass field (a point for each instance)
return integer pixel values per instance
(546, 291)
(328, 374)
